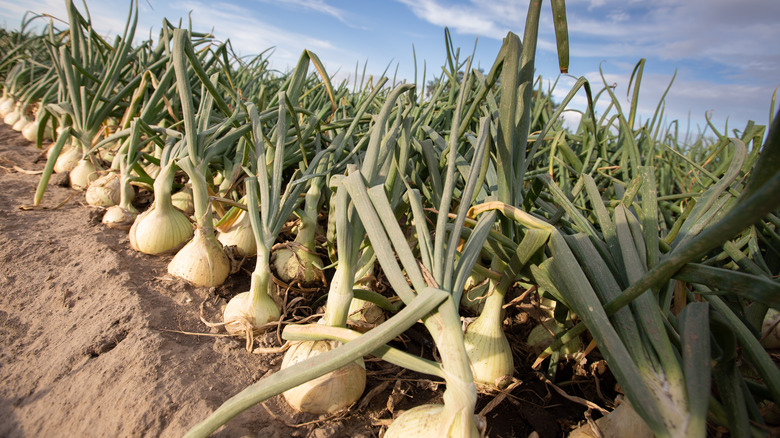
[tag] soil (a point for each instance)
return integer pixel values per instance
(96, 340)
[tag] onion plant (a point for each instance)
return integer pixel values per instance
(202, 261)
(662, 245)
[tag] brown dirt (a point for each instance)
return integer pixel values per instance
(97, 341)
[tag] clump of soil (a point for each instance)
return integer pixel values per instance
(96, 340)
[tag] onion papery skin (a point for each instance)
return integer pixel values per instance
(241, 307)
(159, 231)
(295, 263)
(329, 393)
(202, 261)
(425, 422)
(82, 174)
(366, 314)
(240, 236)
(67, 160)
(489, 353)
(105, 191)
(476, 289)
(119, 218)
(623, 421)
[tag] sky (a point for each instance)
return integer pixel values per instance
(725, 53)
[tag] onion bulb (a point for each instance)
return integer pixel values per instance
(489, 351)
(202, 261)
(120, 218)
(623, 421)
(67, 159)
(296, 263)
(425, 421)
(250, 309)
(366, 314)
(486, 344)
(475, 290)
(104, 191)
(329, 393)
(30, 132)
(12, 117)
(183, 201)
(241, 236)
(21, 123)
(160, 229)
(7, 104)
(770, 329)
(82, 174)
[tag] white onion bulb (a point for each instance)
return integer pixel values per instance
(183, 201)
(160, 230)
(12, 117)
(21, 123)
(67, 159)
(241, 236)
(329, 393)
(427, 421)
(770, 330)
(623, 421)
(30, 132)
(241, 310)
(6, 105)
(119, 218)
(82, 174)
(105, 191)
(202, 261)
(295, 263)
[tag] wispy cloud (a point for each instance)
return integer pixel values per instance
(476, 18)
(250, 35)
(314, 5)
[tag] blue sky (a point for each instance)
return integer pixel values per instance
(725, 52)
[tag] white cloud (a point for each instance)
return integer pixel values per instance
(250, 35)
(688, 98)
(485, 18)
(315, 5)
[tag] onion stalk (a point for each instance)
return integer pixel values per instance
(298, 262)
(247, 312)
(122, 215)
(202, 261)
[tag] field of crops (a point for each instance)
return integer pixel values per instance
(370, 259)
